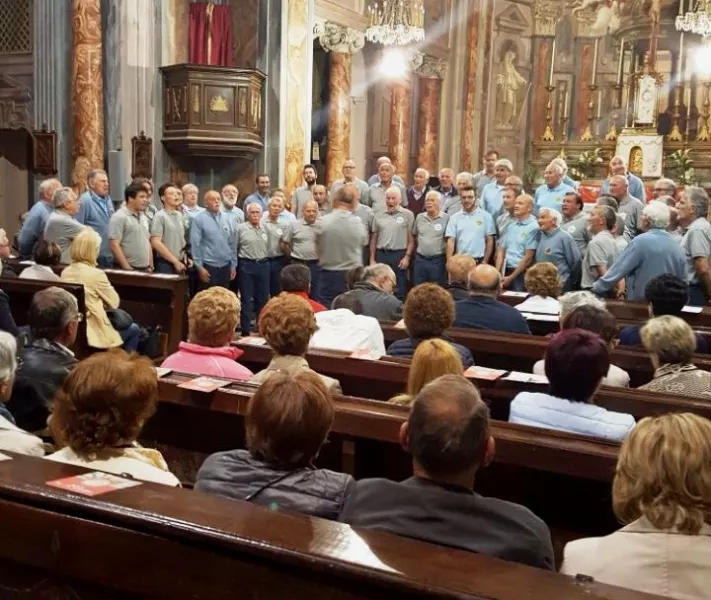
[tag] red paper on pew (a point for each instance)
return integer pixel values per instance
(483, 373)
(93, 484)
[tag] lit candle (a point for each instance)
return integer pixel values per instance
(621, 63)
(566, 105)
(550, 74)
(599, 104)
(594, 65)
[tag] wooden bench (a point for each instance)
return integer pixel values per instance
(20, 292)
(152, 541)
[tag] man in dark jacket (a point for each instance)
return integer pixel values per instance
(47, 360)
(449, 437)
(375, 293)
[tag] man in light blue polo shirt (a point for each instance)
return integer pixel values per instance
(635, 187)
(95, 210)
(261, 196)
(518, 245)
(552, 192)
(470, 231)
(492, 196)
(650, 254)
(36, 220)
(230, 195)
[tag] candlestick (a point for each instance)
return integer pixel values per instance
(587, 135)
(548, 133)
(620, 65)
(703, 134)
(687, 101)
(594, 65)
(550, 74)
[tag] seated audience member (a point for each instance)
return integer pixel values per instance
(448, 435)
(287, 422)
(661, 494)
(481, 310)
(600, 321)
(576, 362)
(7, 321)
(213, 315)
(670, 343)
(543, 283)
(346, 328)
(99, 295)
(432, 359)
(354, 276)
(572, 300)
(428, 312)
(62, 227)
(5, 252)
(12, 438)
(458, 268)
(666, 295)
(46, 256)
(287, 323)
(375, 293)
(296, 279)
(47, 359)
(98, 414)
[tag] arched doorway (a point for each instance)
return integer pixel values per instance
(15, 166)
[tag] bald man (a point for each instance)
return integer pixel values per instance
(517, 246)
(618, 166)
(36, 220)
(349, 176)
(481, 310)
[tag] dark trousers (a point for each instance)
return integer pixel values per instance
(428, 269)
(253, 288)
(130, 337)
(105, 262)
(218, 276)
(276, 264)
(163, 266)
(331, 284)
(696, 295)
(392, 258)
(314, 269)
(517, 284)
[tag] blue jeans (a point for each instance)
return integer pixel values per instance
(517, 285)
(428, 269)
(253, 284)
(392, 258)
(315, 270)
(218, 276)
(130, 337)
(331, 284)
(105, 262)
(163, 266)
(696, 296)
(276, 264)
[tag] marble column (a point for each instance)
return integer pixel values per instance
(399, 135)
(431, 73)
(467, 138)
(87, 91)
(486, 77)
(341, 42)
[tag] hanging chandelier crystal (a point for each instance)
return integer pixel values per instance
(396, 22)
(696, 21)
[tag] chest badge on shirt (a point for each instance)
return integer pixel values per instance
(438, 227)
(523, 235)
(264, 237)
(571, 229)
(399, 220)
(547, 251)
(478, 223)
(279, 231)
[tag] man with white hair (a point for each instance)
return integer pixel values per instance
(551, 193)
(650, 254)
(191, 208)
(36, 219)
(664, 187)
(618, 166)
(492, 196)
(602, 251)
(454, 204)
(386, 180)
(392, 242)
(629, 207)
(95, 210)
(373, 179)
(558, 247)
(416, 193)
(429, 230)
(252, 246)
(693, 208)
(349, 176)
(230, 195)
(62, 227)
(446, 187)
(375, 293)
(566, 178)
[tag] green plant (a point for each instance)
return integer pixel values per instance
(584, 166)
(680, 167)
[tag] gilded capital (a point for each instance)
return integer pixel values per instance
(546, 15)
(338, 38)
(432, 67)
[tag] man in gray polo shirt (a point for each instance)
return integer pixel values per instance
(275, 228)
(62, 227)
(340, 237)
(128, 236)
(298, 242)
(365, 214)
(392, 240)
(602, 250)
(304, 193)
(168, 232)
(693, 207)
(376, 194)
(349, 176)
(429, 231)
(575, 220)
(252, 250)
(320, 195)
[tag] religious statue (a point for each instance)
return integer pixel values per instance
(509, 83)
(607, 17)
(636, 161)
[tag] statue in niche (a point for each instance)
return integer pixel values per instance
(636, 161)
(509, 84)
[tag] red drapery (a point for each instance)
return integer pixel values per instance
(210, 35)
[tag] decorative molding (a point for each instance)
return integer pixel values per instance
(338, 38)
(545, 17)
(431, 67)
(512, 19)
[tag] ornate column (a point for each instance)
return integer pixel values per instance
(467, 139)
(341, 42)
(87, 91)
(431, 73)
(399, 135)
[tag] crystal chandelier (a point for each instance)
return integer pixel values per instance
(396, 22)
(696, 21)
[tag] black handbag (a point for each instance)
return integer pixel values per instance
(119, 318)
(149, 342)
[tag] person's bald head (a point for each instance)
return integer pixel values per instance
(458, 267)
(486, 280)
(448, 432)
(346, 197)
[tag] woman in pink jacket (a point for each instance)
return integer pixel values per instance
(213, 315)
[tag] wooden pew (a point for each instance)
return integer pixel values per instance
(152, 541)
(384, 379)
(517, 352)
(20, 292)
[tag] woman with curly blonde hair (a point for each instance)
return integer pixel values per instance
(662, 494)
(287, 323)
(543, 283)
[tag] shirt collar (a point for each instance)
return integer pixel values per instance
(551, 233)
(525, 221)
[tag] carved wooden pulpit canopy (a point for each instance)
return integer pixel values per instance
(212, 111)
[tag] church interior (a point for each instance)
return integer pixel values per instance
(355, 299)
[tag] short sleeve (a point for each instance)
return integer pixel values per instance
(451, 230)
(490, 228)
(699, 244)
(416, 225)
(288, 234)
(532, 239)
(158, 226)
(410, 220)
(374, 225)
(116, 227)
(596, 254)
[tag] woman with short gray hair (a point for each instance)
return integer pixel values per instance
(12, 438)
